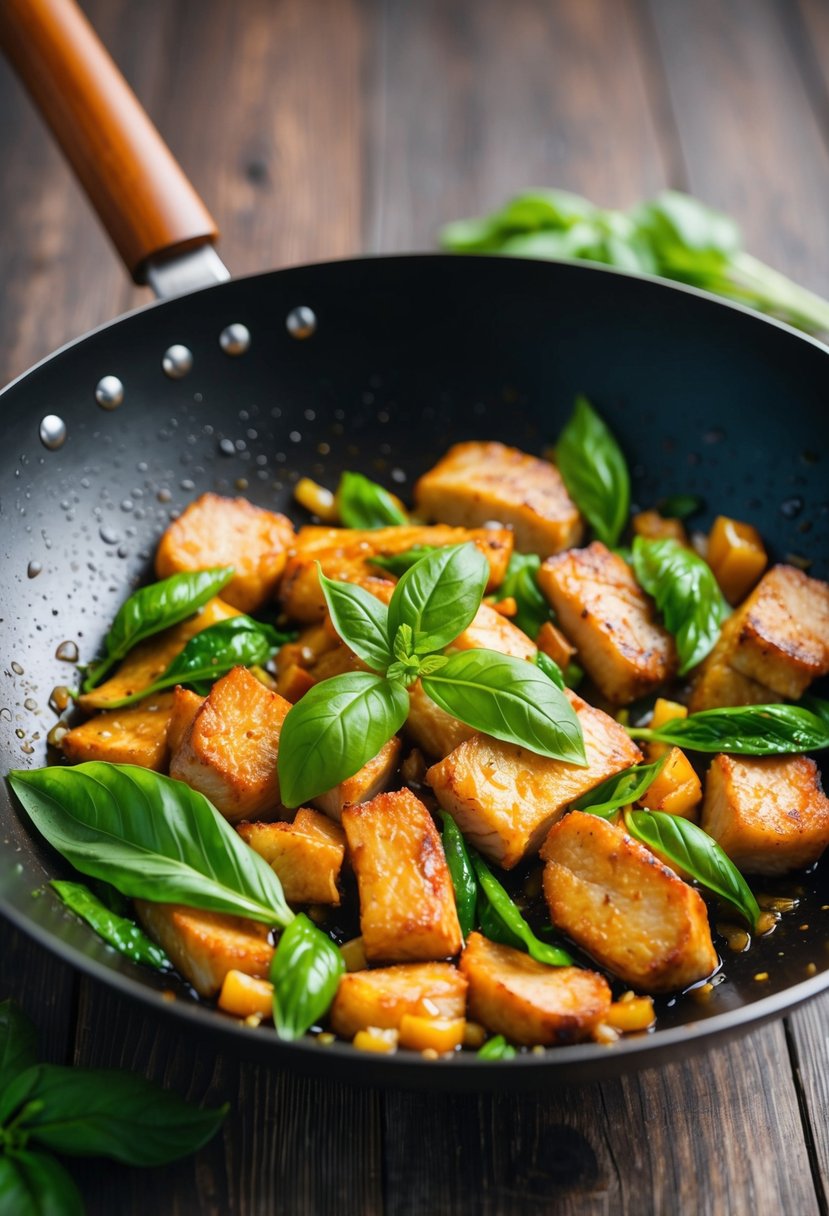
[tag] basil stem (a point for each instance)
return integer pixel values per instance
(496, 1048)
(513, 922)
(305, 972)
(595, 472)
(745, 730)
(686, 593)
(621, 790)
(364, 504)
(520, 584)
(461, 872)
(119, 931)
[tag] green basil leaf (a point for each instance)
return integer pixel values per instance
(687, 846)
(338, 726)
(745, 730)
(154, 608)
(680, 506)
(110, 1113)
(550, 668)
(684, 231)
(461, 872)
(35, 1184)
(439, 596)
(595, 472)
(621, 790)
(399, 563)
(361, 620)
(816, 706)
(18, 1043)
(119, 931)
(520, 583)
(14, 1101)
(151, 837)
(364, 504)
(510, 699)
(305, 972)
(512, 919)
(686, 593)
(496, 1048)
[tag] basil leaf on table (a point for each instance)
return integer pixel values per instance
(439, 596)
(338, 726)
(745, 730)
(150, 836)
(520, 584)
(595, 472)
(154, 608)
(550, 668)
(362, 503)
(305, 972)
(686, 593)
(35, 1184)
(462, 873)
(683, 843)
(510, 699)
(507, 912)
(119, 931)
(399, 563)
(621, 790)
(18, 1043)
(496, 1048)
(361, 620)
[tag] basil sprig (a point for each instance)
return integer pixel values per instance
(595, 472)
(151, 837)
(79, 1112)
(461, 872)
(342, 723)
(119, 931)
(362, 503)
(620, 790)
(694, 851)
(305, 972)
(237, 641)
(154, 608)
(745, 730)
(502, 922)
(520, 583)
(686, 593)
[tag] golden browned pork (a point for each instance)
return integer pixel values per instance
(369, 781)
(204, 946)
(306, 855)
(717, 684)
(135, 735)
(381, 997)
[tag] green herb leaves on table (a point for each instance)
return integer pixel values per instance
(119, 931)
(305, 971)
(362, 503)
(686, 593)
(595, 472)
(79, 1112)
(748, 730)
(154, 608)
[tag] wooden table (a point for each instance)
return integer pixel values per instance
(319, 130)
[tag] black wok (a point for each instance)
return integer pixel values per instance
(389, 361)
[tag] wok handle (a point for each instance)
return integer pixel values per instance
(139, 191)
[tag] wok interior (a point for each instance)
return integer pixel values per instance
(408, 356)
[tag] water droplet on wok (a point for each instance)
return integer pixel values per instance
(68, 652)
(16, 668)
(33, 569)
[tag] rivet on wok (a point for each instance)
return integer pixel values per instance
(301, 322)
(109, 392)
(52, 432)
(235, 339)
(177, 361)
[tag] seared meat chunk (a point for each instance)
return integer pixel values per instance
(186, 705)
(134, 735)
(306, 855)
(367, 782)
(381, 997)
(716, 683)
(204, 946)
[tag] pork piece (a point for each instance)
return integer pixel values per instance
(477, 482)
(204, 946)
(344, 554)
(229, 753)
(407, 902)
(769, 813)
(306, 855)
(367, 782)
(490, 630)
(783, 637)
(505, 798)
(432, 728)
(622, 906)
(610, 621)
(529, 1002)
(135, 735)
(216, 531)
(717, 684)
(151, 659)
(186, 705)
(381, 997)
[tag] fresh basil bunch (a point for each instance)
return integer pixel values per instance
(80, 1113)
(363, 503)
(595, 472)
(342, 723)
(745, 730)
(686, 593)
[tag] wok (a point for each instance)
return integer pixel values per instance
(375, 364)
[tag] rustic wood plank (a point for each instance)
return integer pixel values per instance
(45, 989)
(808, 1030)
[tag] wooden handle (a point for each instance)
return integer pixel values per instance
(142, 197)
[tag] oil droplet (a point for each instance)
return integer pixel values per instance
(59, 698)
(31, 704)
(226, 447)
(27, 748)
(21, 734)
(109, 535)
(164, 496)
(33, 569)
(791, 507)
(5, 714)
(17, 669)
(67, 651)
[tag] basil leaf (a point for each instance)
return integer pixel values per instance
(520, 583)
(496, 1048)
(121, 932)
(816, 706)
(151, 837)
(621, 790)
(595, 472)
(338, 726)
(18, 1043)
(399, 563)
(439, 596)
(364, 504)
(680, 506)
(687, 846)
(361, 620)
(154, 608)
(745, 730)
(305, 972)
(550, 668)
(109, 1113)
(510, 699)
(461, 872)
(35, 1184)
(508, 913)
(686, 593)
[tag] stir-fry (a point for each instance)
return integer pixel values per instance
(475, 774)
